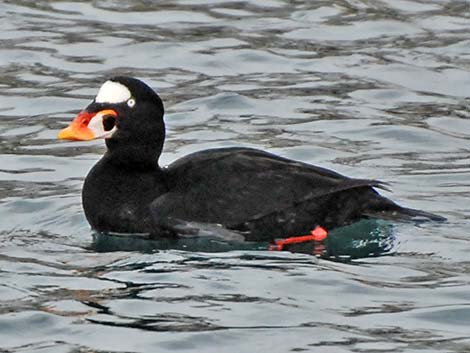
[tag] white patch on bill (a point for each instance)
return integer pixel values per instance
(96, 125)
(112, 92)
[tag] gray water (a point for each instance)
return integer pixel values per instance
(372, 89)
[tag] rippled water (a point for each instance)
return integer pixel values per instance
(372, 89)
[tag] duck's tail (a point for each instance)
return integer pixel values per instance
(398, 213)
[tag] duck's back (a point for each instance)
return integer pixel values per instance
(260, 193)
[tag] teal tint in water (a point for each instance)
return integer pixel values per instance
(363, 239)
(372, 89)
(111, 242)
(367, 238)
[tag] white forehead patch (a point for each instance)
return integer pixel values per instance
(112, 92)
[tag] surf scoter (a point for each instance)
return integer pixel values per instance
(246, 191)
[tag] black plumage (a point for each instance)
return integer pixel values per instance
(257, 194)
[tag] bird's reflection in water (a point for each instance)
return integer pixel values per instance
(366, 238)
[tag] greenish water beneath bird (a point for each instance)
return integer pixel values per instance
(371, 89)
(366, 238)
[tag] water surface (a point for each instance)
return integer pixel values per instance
(372, 89)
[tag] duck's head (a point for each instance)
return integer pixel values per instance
(127, 113)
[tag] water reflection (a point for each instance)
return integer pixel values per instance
(367, 238)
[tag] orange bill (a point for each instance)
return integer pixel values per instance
(80, 129)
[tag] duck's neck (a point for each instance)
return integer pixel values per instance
(136, 155)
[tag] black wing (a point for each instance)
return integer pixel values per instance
(245, 189)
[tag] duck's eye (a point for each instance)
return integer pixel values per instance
(109, 122)
(131, 103)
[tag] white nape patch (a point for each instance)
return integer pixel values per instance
(112, 92)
